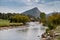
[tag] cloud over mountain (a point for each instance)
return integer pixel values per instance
(23, 5)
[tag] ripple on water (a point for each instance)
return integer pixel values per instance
(31, 33)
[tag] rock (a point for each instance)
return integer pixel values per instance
(43, 38)
(38, 36)
(48, 38)
(57, 34)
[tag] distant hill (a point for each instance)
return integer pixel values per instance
(52, 13)
(33, 12)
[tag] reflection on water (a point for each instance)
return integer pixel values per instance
(30, 33)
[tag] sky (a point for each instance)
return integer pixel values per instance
(19, 6)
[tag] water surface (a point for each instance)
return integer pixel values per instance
(33, 30)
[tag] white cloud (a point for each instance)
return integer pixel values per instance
(29, 0)
(45, 7)
(5, 9)
(50, 7)
(33, 0)
(53, 3)
(42, 1)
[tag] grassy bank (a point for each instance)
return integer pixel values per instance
(6, 23)
(16, 24)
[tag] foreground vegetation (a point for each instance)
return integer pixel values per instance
(19, 19)
(52, 22)
(4, 23)
(7, 23)
(10, 19)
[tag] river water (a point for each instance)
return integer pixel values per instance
(33, 31)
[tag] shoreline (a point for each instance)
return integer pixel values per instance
(11, 27)
(53, 35)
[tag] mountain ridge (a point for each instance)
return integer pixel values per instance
(33, 12)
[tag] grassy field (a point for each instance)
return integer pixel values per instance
(4, 22)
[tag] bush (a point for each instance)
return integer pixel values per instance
(50, 26)
(19, 19)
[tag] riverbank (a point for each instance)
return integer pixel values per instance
(11, 27)
(5, 24)
(53, 35)
(23, 32)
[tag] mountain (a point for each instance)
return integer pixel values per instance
(52, 13)
(33, 12)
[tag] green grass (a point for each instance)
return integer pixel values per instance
(16, 24)
(4, 22)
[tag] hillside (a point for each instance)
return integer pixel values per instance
(33, 12)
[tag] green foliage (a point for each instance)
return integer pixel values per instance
(53, 21)
(43, 18)
(5, 16)
(42, 15)
(19, 18)
(50, 26)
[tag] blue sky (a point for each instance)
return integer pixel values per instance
(19, 6)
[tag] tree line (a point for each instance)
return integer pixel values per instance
(51, 21)
(15, 17)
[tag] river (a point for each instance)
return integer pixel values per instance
(33, 32)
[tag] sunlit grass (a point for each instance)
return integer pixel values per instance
(4, 22)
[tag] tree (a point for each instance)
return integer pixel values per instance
(53, 20)
(43, 18)
(19, 18)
